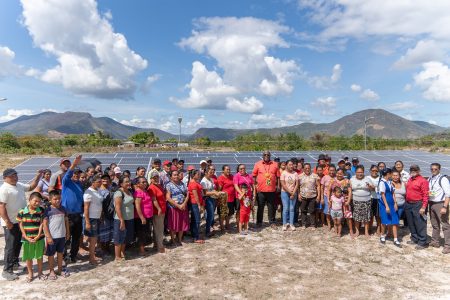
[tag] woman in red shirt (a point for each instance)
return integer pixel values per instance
(225, 183)
(196, 204)
(157, 191)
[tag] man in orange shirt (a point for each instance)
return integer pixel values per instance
(266, 174)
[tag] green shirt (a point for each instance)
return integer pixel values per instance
(127, 205)
(31, 222)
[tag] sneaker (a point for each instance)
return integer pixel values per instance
(10, 276)
(383, 240)
(292, 228)
(446, 250)
(435, 244)
(284, 227)
(420, 247)
(397, 244)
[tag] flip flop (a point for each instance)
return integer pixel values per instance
(42, 277)
(29, 279)
(52, 277)
(199, 241)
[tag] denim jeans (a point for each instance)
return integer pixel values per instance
(195, 221)
(13, 244)
(210, 205)
(288, 208)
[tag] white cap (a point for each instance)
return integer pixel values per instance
(203, 162)
(117, 170)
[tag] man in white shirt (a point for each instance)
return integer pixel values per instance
(439, 200)
(13, 199)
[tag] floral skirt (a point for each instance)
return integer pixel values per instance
(362, 211)
(222, 204)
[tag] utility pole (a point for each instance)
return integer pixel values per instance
(180, 119)
(366, 120)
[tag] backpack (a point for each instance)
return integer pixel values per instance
(109, 209)
(440, 184)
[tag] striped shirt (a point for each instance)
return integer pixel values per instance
(31, 221)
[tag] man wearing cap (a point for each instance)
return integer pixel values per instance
(417, 191)
(117, 174)
(266, 174)
(203, 167)
(72, 201)
(355, 164)
(56, 179)
(439, 200)
(322, 161)
(13, 199)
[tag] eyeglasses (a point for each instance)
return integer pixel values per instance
(266, 155)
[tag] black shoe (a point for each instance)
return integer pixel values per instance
(420, 247)
(10, 276)
(411, 243)
(383, 240)
(75, 260)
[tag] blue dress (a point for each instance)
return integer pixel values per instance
(392, 217)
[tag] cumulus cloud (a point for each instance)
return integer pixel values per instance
(148, 83)
(266, 120)
(299, 116)
(93, 59)
(355, 88)
(241, 49)
(370, 95)
(7, 65)
(323, 82)
(326, 104)
(424, 51)
(12, 114)
(434, 80)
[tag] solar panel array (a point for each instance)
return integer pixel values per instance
(132, 160)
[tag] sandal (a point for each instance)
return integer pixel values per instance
(65, 273)
(29, 279)
(199, 241)
(42, 277)
(52, 277)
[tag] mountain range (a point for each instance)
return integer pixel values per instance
(381, 124)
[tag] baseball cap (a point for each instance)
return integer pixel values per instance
(157, 161)
(190, 168)
(166, 163)
(117, 170)
(76, 170)
(415, 168)
(322, 156)
(153, 173)
(9, 172)
(355, 159)
(63, 160)
(173, 168)
(203, 161)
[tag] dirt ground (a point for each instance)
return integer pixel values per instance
(267, 264)
(11, 160)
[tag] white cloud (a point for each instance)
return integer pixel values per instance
(265, 120)
(148, 83)
(247, 105)
(12, 114)
(299, 116)
(434, 79)
(424, 51)
(93, 60)
(341, 19)
(323, 82)
(240, 48)
(408, 117)
(7, 65)
(370, 95)
(327, 105)
(403, 105)
(432, 122)
(355, 88)
(201, 121)
(141, 123)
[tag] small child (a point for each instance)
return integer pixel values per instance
(245, 210)
(336, 202)
(56, 228)
(30, 222)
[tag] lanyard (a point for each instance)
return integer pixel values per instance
(433, 183)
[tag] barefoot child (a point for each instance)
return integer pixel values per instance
(245, 210)
(56, 228)
(336, 202)
(30, 222)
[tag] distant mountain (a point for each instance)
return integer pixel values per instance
(384, 124)
(51, 123)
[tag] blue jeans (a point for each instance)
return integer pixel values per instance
(288, 207)
(210, 205)
(195, 221)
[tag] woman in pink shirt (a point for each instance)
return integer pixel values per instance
(243, 178)
(289, 190)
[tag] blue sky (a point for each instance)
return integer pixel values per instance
(235, 64)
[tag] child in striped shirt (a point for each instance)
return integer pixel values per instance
(30, 220)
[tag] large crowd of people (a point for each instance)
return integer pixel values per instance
(100, 210)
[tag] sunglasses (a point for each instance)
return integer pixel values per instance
(266, 154)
